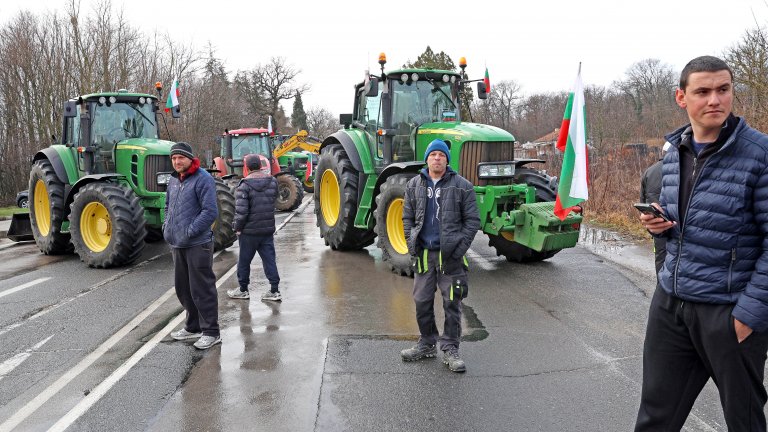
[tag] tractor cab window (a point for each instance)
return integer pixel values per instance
(121, 121)
(413, 104)
(250, 144)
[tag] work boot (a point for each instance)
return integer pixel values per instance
(452, 359)
(418, 352)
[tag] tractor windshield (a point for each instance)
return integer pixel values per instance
(250, 144)
(419, 102)
(122, 120)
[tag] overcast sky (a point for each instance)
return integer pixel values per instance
(537, 43)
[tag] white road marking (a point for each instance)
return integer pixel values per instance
(293, 213)
(480, 260)
(12, 363)
(24, 286)
(86, 362)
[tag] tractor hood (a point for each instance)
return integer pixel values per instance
(146, 146)
(461, 131)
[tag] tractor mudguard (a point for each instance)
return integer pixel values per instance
(66, 174)
(349, 146)
(86, 180)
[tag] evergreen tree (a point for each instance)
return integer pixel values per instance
(442, 61)
(298, 117)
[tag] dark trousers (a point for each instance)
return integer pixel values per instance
(685, 345)
(424, 287)
(265, 246)
(196, 287)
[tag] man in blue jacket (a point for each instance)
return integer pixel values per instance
(190, 211)
(709, 316)
(440, 219)
(255, 226)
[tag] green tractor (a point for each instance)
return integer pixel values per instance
(101, 191)
(363, 170)
(236, 144)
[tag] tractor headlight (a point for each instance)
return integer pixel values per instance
(495, 170)
(414, 77)
(142, 100)
(163, 179)
(404, 78)
(445, 78)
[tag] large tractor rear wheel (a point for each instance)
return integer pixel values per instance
(223, 230)
(46, 209)
(107, 225)
(289, 193)
(336, 201)
(389, 224)
(504, 243)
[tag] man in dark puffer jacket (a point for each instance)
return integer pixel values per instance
(255, 226)
(709, 316)
(190, 210)
(440, 219)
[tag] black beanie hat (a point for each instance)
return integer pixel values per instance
(182, 148)
(253, 162)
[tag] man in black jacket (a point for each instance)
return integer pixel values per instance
(440, 219)
(255, 226)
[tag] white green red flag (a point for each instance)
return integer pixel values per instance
(269, 126)
(173, 96)
(487, 81)
(572, 141)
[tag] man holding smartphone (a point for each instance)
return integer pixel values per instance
(709, 315)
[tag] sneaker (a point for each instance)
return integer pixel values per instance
(418, 352)
(206, 342)
(183, 334)
(272, 296)
(236, 293)
(452, 359)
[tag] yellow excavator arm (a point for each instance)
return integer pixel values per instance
(302, 140)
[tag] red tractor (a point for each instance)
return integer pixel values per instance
(236, 144)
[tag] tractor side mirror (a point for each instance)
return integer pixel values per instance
(70, 109)
(482, 93)
(372, 87)
(176, 112)
(346, 120)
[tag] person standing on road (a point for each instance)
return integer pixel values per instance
(255, 227)
(710, 317)
(190, 211)
(440, 220)
(650, 189)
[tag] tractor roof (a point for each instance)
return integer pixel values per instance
(117, 94)
(435, 71)
(248, 131)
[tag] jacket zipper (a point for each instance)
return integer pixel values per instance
(730, 267)
(688, 208)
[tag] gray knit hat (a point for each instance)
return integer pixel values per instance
(182, 148)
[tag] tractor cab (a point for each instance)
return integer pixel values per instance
(236, 144)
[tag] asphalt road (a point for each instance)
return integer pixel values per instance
(550, 346)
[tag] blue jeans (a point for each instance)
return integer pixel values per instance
(265, 246)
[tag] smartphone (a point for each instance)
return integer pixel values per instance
(651, 210)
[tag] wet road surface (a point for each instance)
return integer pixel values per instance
(549, 346)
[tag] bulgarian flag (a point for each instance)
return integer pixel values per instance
(487, 81)
(269, 126)
(573, 143)
(173, 96)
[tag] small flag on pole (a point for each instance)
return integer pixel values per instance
(173, 96)
(487, 81)
(269, 126)
(572, 141)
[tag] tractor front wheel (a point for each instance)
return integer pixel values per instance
(107, 225)
(46, 209)
(389, 224)
(336, 201)
(223, 230)
(504, 243)
(289, 193)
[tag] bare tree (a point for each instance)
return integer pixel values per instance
(321, 122)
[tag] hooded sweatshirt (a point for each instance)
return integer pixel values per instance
(255, 205)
